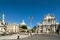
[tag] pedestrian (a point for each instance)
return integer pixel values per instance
(18, 37)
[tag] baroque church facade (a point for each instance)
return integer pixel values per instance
(49, 25)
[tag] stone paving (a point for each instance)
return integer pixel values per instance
(40, 37)
(14, 36)
(43, 37)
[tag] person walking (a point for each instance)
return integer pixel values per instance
(18, 37)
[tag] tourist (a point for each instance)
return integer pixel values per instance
(18, 36)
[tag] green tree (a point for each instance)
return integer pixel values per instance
(33, 29)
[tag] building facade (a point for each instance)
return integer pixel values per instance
(12, 28)
(49, 24)
(38, 28)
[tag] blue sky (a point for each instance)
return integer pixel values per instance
(18, 10)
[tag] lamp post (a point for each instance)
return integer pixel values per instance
(30, 18)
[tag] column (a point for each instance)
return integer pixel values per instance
(54, 28)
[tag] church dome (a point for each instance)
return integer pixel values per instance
(23, 23)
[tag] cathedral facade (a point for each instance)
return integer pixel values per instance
(49, 25)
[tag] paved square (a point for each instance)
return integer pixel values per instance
(43, 37)
(34, 37)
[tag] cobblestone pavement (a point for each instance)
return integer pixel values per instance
(41, 37)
